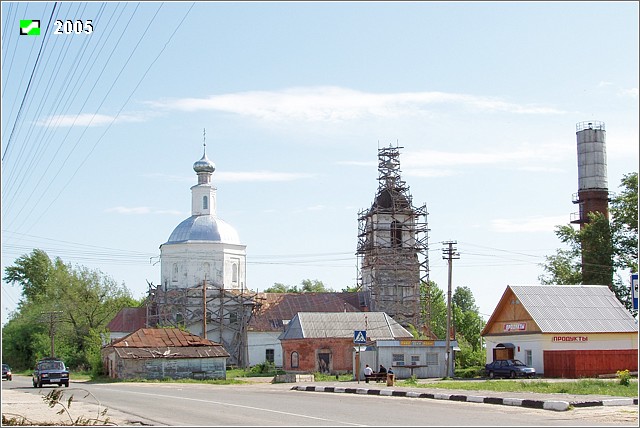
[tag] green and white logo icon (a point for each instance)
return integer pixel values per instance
(29, 27)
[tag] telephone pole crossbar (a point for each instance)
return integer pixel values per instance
(51, 318)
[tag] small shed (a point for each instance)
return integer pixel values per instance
(158, 353)
(567, 331)
(413, 357)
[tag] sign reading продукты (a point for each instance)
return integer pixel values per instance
(360, 336)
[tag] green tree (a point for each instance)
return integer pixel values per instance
(601, 250)
(307, 286)
(314, 286)
(468, 325)
(87, 300)
(31, 272)
(624, 225)
(433, 308)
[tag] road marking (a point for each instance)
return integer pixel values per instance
(244, 407)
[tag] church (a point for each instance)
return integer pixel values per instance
(203, 274)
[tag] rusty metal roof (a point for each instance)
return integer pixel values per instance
(279, 307)
(129, 319)
(168, 343)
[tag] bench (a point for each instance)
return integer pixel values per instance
(378, 377)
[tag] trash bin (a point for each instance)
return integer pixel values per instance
(391, 378)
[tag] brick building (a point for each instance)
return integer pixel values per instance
(323, 341)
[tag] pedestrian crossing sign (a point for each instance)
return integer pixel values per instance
(360, 336)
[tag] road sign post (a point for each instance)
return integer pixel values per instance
(634, 290)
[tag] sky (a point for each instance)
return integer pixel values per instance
(101, 127)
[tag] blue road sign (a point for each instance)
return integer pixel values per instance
(360, 336)
(634, 290)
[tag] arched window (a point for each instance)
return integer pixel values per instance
(295, 360)
(205, 203)
(234, 273)
(396, 234)
(174, 275)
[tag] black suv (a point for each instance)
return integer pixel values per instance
(6, 372)
(50, 371)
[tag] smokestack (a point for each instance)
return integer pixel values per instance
(592, 197)
(593, 192)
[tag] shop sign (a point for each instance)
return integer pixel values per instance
(417, 343)
(516, 326)
(570, 338)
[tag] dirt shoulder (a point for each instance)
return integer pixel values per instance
(32, 409)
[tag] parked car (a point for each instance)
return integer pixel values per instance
(509, 368)
(6, 372)
(50, 371)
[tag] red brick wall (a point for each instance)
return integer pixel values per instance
(341, 350)
(589, 363)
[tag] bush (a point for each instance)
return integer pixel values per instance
(623, 377)
(470, 372)
(263, 368)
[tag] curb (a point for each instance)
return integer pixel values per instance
(556, 405)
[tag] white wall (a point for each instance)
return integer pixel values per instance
(259, 342)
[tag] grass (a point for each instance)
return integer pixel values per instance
(579, 387)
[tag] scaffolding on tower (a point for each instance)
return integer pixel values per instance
(392, 251)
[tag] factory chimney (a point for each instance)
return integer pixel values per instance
(592, 196)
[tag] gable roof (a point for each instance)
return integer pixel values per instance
(129, 320)
(278, 307)
(168, 343)
(571, 309)
(378, 325)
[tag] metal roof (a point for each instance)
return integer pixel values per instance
(275, 308)
(168, 343)
(128, 320)
(378, 325)
(204, 228)
(574, 308)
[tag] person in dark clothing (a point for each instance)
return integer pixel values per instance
(382, 369)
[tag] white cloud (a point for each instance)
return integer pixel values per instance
(332, 104)
(530, 224)
(630, 92)
(87, 119)
(429, 163)
(126, 210)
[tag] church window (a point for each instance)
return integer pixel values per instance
(234, 273)
(205, 203)
(396, 234)
(174, 275)
(295, 360)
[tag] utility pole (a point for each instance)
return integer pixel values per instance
(51, 318)
(449, 253)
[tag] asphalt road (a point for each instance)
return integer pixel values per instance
(164, 404)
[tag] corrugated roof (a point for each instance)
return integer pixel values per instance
(155, 342)
(128, 320)
(378, 325)
(278, 307)
(574, 308)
